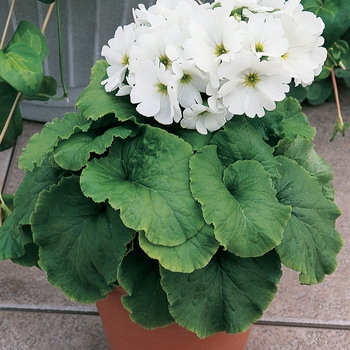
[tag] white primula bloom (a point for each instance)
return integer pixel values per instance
(305, 56)
(174, 38)
(205, 118)
(213, 39)
(150, 45)
(190, 83)
(154, 93)
(263, 35)
(253, 86)
(117, 54)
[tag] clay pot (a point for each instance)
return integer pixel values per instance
(124, 334)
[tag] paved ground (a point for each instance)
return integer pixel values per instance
(36, 316)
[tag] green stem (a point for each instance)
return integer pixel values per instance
(59, 32)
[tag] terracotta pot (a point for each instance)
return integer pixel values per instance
(124, 334)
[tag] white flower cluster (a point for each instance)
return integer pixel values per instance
(200, 64)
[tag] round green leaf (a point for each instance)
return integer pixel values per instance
(41, 145)
(302, 151)
(229, 294)
(241, 141)
(84, 239)
(193, 254)
(146, 300)
(73, 153)
(21, 67)
(310, 243)
(240, 202)
(147, 178)
(104, 103)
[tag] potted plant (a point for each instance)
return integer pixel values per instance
(187, 177)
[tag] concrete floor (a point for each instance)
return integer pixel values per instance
(36, 316)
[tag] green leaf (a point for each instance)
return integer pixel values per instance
(31, 35)
(84, 239)
(194, 254)
(240, 202)
(334, 13)
(310, 243)
(7, 98)
(12, 241)
(146, 301)
(21, 67)
(299, 92)
(41, 145)
(147, 178)
(73, 154)
(47, 89)
(194, 138)
(294, 123)
(302, 151)
(240, 141)
(15, 236)
(227, 295)
(94, 102)
(319, 91)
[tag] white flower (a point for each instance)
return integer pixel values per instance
(263, 35)
(154, 93)
(252, 85)
(205, 118)
(150, 45)
(305, 56)
(190, 83)
(214, 38)
(117, 54)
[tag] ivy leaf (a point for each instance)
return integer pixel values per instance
(302, 151)
(7, 98)
(335, 15)
(31, 35)
(240, 202)
(241, 141)
(73, 154)
(310, 243)
(146, 300)
(84, 239)
(47, 89)
(229, 294)
(104, 103)
(147, 178)
(194, 254)
(21, 67)
(41, 145)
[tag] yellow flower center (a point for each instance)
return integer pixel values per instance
(165, 60)
(162, 88)
(186, 78)
(125, 60)
(259, 47)
(251, 79)
(220, 50)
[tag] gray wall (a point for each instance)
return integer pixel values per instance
(86, 27)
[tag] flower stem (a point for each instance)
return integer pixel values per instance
(340, 125)
(7, 24)
(59, 32)
(199, 2)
